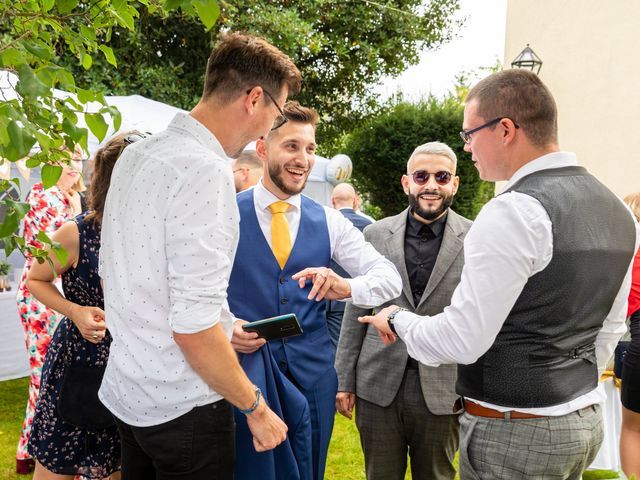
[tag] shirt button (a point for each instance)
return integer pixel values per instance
(421, 265)
(282, 280)
(284, 300)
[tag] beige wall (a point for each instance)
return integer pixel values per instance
(590, 51)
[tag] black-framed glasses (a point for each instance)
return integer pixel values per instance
(421, 177)
(281, 119)
(465, 135)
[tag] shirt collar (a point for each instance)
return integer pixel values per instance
(415, 226)
(545, 162)
(263, 197)
(188, 125)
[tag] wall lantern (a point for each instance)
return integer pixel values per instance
(527, 59)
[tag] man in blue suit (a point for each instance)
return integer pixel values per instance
(287, 242)
(344, 199)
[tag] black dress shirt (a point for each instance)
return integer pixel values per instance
(421, 246)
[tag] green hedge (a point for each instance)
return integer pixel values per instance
(381, 147)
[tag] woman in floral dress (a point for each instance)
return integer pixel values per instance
(61, 448)
(50, 208)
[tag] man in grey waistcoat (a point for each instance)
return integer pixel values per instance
(542, 298)
(402, 405)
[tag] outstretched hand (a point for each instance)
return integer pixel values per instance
(380, 321)
(327, 284)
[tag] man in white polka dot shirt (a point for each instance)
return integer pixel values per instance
(169, 237)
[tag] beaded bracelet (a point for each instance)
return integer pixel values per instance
(253, 407)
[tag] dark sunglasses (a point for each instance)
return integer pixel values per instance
(280, 119)
(421, 177)
(135, 137)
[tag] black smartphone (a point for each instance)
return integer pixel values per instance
(273, 328)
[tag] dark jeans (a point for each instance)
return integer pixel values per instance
(198, 445)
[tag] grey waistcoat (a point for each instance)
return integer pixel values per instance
(544, 354)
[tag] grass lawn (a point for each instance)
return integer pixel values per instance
(345, 457)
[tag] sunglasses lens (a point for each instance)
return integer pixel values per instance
(421, 177)
(442, 178)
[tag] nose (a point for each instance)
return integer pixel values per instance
(467, 147)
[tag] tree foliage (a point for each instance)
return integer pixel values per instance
(384, 144)
(342, 47)
(35, 122)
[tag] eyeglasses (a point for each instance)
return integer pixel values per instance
(421, 177)
(465, 135)
(135, 137)
(281, 119)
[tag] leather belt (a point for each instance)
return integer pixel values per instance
(480, 411)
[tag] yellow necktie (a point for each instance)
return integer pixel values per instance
(280, 238)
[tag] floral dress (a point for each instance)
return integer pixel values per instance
(49, 210)
(60, 447)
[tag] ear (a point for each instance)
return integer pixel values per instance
(251, 100)
(455, 183)
(261, 149)
(405, 183)
(509, 130)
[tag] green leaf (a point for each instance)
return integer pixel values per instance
(30, 85)
(11, 57)
(59, 252)
(20, 208)
(85, 96)
(43, 140)
(20, 143)
(9, 225)
(50, 175)
(97, 125)
(108, 52)
(86, 60)
(39, 49)
(172, 5)
(33, 162)
(88, 33)
(208, 11)
(65, 6)
(9, 245)
(47, 5)
(116, 116)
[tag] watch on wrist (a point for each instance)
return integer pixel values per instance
(392, 316)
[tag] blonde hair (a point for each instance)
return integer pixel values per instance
(633, 200)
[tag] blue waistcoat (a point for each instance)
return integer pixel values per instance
(259, 288)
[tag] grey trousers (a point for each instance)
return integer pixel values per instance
(558, 448)
(387, 434)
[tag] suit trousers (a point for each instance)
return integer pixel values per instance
(387, 434)
(559, 448)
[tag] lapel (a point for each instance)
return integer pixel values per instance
(395, 252)
(452, 243)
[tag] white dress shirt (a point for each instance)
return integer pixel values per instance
(375, 279)
(510, 241)
(169, 236)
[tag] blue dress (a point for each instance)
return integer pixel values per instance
(58, 446)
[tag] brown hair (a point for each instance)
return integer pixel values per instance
(103, 162)
(521, 96)
(240, 62)
(633, 200)
(297, 113)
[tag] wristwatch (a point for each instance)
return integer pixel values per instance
(391, 316)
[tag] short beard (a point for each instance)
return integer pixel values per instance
(430, 215)
(275, 173)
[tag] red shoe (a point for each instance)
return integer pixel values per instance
(25, 466)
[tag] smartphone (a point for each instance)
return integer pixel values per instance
(273, 328)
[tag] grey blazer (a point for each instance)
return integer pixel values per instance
(364, 365)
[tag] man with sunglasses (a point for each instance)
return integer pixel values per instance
(542, 298)
(287, 242)
(402, 405)
(169, 237)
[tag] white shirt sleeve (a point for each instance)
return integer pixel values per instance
(201, 235)
(510, 240)
(375, 280)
